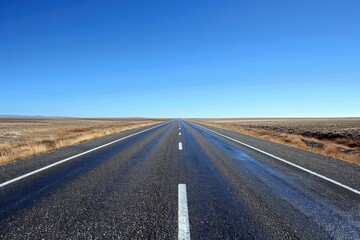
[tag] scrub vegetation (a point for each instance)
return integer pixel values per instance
(23, 138)
(333, 137)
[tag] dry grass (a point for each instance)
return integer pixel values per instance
(337, 138)
(22, 138)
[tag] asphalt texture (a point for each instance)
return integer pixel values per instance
(129, 190)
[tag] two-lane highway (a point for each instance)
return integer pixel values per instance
(179, 180)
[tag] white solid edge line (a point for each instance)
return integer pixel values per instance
(180, 146)
(183, 214)
(72, 157)
(285, 161)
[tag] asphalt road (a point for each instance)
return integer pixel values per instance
(179, 181)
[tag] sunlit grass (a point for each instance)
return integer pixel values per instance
(23, 138)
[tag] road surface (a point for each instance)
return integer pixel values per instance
(179, 180)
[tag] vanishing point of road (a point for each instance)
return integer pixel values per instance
(179, 180)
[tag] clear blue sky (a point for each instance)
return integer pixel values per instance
(180, 58)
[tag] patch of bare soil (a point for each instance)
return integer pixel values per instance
(334, 137)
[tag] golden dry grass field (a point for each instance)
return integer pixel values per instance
(334, 137)
(22, 138)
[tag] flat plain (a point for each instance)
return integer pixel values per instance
(141, 184)
(22, 138)
(333, 137)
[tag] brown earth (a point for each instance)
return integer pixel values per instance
(23, 138)
(334, 137)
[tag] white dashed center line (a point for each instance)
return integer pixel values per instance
(179, 133)
(180, 146)
(183, 214)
